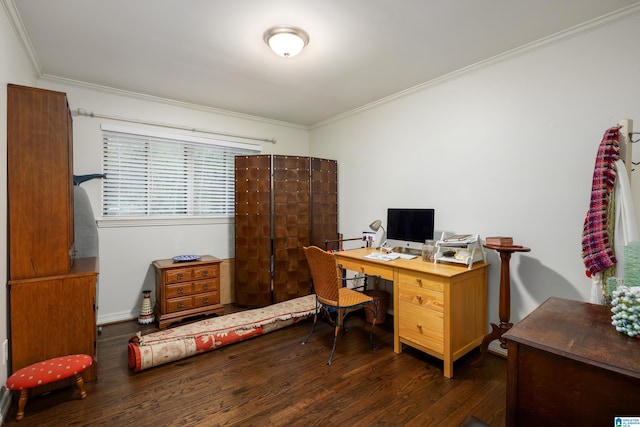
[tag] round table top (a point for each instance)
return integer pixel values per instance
(510, 248)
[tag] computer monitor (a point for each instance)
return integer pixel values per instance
(409, 228)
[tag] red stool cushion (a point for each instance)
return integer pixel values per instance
(48, 371)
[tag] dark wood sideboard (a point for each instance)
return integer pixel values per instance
(568, 366)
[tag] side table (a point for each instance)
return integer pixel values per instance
(505, 299)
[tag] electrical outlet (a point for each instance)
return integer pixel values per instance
(5, 351)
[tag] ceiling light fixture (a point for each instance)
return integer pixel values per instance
(285, 40)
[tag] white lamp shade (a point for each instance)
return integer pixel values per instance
(286, 41)
(286, 45)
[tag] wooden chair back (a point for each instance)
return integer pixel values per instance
(325, 273)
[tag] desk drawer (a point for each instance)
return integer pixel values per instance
(422, 326)
(421, 280)
(373, 269)
(425, 298)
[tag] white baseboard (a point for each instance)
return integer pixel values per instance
(5, 403)
(117, 317)
(494, 347)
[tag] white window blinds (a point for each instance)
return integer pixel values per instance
(152, 174)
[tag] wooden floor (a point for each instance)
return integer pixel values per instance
(272, 380)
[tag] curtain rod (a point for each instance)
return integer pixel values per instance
(83, 112)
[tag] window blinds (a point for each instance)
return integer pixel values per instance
(151, 174)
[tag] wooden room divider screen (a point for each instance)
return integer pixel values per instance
(282, 203)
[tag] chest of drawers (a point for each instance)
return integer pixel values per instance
(187, 289)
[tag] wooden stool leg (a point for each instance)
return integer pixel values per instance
(22, 402)
(80, 384)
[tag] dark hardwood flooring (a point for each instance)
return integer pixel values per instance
(272, 380)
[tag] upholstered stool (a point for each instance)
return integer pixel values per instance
(46, 372)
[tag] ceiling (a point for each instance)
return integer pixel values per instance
(211, 52)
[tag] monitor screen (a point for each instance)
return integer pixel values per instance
(406, 226)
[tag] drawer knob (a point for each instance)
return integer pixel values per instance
(180, 290)
(205, 300)
(419, 326)
(419, 298)
(180, 304)
(419, 281)
(205, 286)
(205, 273)
(180, 276)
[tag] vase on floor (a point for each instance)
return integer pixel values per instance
(146, 312)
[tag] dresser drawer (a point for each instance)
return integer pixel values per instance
(179, 275)
(423, 281)
(208, 298)
(205, 272)
(425, 298)
(206, 286)
(179, 304)
(178, 290)
(422, 326)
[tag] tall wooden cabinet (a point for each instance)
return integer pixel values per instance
(52, 295)
(282, 203)
(40, 182)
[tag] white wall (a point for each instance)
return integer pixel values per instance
(507, 149)
(14, 68)
(126, 253)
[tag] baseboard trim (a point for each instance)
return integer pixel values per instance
(494, 347)
(5, 403)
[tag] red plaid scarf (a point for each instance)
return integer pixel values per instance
(597, 251)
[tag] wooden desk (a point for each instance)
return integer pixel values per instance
(440, 309)
(567, 366)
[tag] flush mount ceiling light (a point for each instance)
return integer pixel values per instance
(285, 40)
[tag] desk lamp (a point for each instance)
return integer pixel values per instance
(375, 226)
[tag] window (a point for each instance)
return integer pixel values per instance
(155, 175)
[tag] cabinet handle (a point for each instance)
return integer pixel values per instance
(205, 273)
(180, 275)
(419, 326)
(205, 286)
(419, 298)
(180, 304)
(180, 290)
(419, 281)
(205, 300)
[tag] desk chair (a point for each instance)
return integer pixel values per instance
(331, 294)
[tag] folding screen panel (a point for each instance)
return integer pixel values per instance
(282, 204)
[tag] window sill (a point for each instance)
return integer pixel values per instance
(161, 222)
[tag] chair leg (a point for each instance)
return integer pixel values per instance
(315, 319)
(335, 340)
(373, 324)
